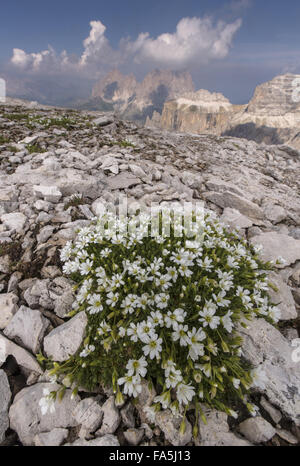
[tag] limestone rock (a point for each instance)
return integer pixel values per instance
(111, 418)
(5, 396)
(228, 199)
(27, 328)
(274, 213)
(216, 430)
(48, 193)
(257, 430)
(267, 349)
(122, 181)
(134, 436)
(170, 425)
(51, 439)
(127, 415)
(26, 417)
(275, 245)
(145, 400)
(274, 413)
(89, 414)
(105, 441)
(235, 219)
(103, 121)
(14, 221)
(283, 297)
(8, 307)
(66, 339)
(23, 357)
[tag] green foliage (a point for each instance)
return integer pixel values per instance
(35, 148)
(74, 201)
(165, 309)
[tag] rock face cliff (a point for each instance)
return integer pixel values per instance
(272, 115)
(137, 101)
(198, 112)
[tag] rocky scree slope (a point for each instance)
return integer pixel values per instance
(57, 170)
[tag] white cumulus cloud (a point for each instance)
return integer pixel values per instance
(195, 40)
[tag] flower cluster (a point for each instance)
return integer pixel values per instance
(165, 309)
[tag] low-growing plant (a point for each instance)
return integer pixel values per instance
(13, 149)
(165, 309)
(3, 139)
(35, 148)
(74, 201)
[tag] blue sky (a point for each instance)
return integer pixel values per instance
(255, 41)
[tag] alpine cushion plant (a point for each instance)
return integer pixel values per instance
(165, 309)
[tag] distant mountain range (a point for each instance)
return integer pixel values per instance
(272, 116)
(137, 101)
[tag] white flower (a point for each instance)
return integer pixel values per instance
(172, 319)
(46, 402)
(137, 366)
(153, 348)
(157, 318)
(232, 262)
(163, 282)
(95, 304)
(132, 332)
(185, 393)
(196, 349)
(87, 350)
(220, 299)
(227, 322)
(274, 313)
(207, 316)
(206, 264)
(164, 399)
(172, 273)
(86, 267)
(117, 280)
(161, 300)
(173, 378)
(236, 383)
(181, 334)
(112, 299)
(145, 330)
(132, 385)
(103, 328)
(185, 271)
(122, 332)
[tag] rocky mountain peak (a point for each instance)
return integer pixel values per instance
(136, 101)
(275, 97)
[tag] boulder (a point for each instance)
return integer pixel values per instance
(66, 339)
(278, 245)
(26, 415)
(215, 432)
(257, 430)
(5, 396)
(267, 349)
(170, 425)
(27, 328)
(8, 307)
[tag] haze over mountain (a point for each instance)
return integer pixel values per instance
(135, 100)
